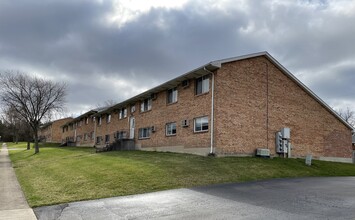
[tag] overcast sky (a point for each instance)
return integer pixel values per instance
(113, 50)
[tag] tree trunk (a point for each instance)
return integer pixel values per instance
(28, 145)
(36, 142)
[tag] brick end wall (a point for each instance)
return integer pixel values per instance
(241, 113)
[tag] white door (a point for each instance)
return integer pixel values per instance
(132, 124)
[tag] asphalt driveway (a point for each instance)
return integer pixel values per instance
(302, 198)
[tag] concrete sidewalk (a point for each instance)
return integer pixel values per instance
(13, 204)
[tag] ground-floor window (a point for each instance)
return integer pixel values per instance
(98, 140)
(170, 129)
(85, 137)
(201, 124)
(121, 134)
(144, 133)
(107, 138)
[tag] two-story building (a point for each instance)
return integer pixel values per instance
(229, 107)
(51, 132)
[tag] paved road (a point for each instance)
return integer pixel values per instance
(303, 198)
(13, 204)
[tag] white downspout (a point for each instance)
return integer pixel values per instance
(94, 131)
(212, 111)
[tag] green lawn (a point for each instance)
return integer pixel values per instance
(59, 175)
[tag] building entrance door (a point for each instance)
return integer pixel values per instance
(132, 124)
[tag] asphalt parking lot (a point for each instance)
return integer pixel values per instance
(301, 198)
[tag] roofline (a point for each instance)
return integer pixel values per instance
(200, 71)
(290, 75)
(217, 64)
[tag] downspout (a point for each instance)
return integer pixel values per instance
(212, 112)
(94, 130)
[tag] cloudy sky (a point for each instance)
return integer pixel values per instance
(115, 49)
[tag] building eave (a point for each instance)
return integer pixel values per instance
(198, 72)
(291, 76)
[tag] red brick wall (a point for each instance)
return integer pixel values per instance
(243, 101)
(188, 106)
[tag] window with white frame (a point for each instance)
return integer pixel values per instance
(202, 85)
(144, 133)
(108, 118)
(146, 105)
(201, 124)
(85, 137)
(99, 120)
(170, 129)
(172, 95)
(87, 121)
(133, 108)
(123, 113)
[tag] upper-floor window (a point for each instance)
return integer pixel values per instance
(146, 105)
(86, 120)
(99, 120)
(202, 85)
(201, 124)
(172, 95)
(123, 113)
(108, 118)
(133, 108)
(170, 129)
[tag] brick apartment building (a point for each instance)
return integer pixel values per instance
(51, 132)
(228, 107)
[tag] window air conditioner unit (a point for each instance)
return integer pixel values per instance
(153, 96)
(153, 129)
(185, 123)
(185, 83)
(262, 152)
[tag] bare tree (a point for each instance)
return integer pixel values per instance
(33, 98)
(13, 122)
(348, 115)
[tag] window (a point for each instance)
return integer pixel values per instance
(144, 133)
(133, 108)
(87, 121)
(108, 118)
(170, 129)
(98, 140)
(172, 95)
(85, 137)
(202, 85)
(123, 113)
(146, 105)
(107, 138)
(99, 120)
(92, 135)
(121, 135)
(201, 124)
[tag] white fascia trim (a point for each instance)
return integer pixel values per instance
(290, 75)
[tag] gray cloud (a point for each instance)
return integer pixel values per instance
(72, 41)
